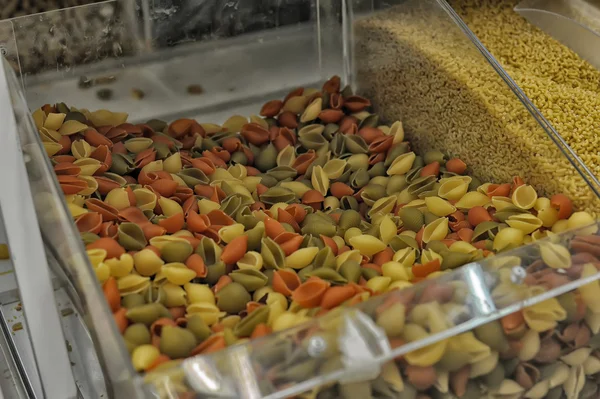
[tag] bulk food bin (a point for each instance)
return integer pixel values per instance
(523, 323)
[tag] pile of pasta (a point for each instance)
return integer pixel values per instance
(204, 236)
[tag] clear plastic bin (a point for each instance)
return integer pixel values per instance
(451, 319)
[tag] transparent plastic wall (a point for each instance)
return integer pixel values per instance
(166, 59)
(440, 325)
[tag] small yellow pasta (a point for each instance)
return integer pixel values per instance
(590, 293)
(367, 244)
(286, 157)
(548, 216)
(348, 255)
(429, 255)
(406, 257)
(501, 203)
(467, 343)
(118, 198)
(555, 255)
(102, 272)
(205, 206)
(287, 320)
(199, 293)
(526, 222)
(301, 258)
(351, 233)
(560, 226)
(462, 247)
(251, 182)
(334, 168)
(339, 241)
(402, 164)
(399, 284)
(508, 238)
(581, 219)
(395, 271)
(453, 189)
(96, 256)
(427, 356)
(396, 130)
(484, 366)
(439, 207)
(530, 345)
(524, 197)
(210, 313)
(545, 315)
(228, 233)
(436, 230)
(379, 284)
(472, 199)
(147, 263)
(383, 206)
(145, 199)
(319, 180)
(251, 260)
(160, 241)
(418, 203)
(120, 267)
(387, 229)
(132, 284)
(177, 273)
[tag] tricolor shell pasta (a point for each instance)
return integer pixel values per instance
(205, 236)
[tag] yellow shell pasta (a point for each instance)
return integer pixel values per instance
(301, 258)
(524, 197)
(402, 164)
(120, 267)
(387, 229)
(545, 315)
(96, 256)
(348, 255)
(548, 216)
(530, 345)
(251, 260)
(526, 222)
(397, 130)
(146, 200)
(199, 293)
(439, 207)
(581, 219)
(436, 230)
(472, 199)
(501, 203)
(319, 180)
(228, 233)
(177, 273)
(590, 293)
(395, 271)
(508, 238)
(102, 272)
(555, 256)
(209, 312)
(453, 189)
(367, 244)
(147, 263)
(379, 283)
(132, 284)
(334, 168)
(406, 256)
(429, 255)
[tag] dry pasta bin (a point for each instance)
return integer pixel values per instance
(501, 302)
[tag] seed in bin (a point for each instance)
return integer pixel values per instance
(204, 235)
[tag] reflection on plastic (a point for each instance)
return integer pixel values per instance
(572, 22)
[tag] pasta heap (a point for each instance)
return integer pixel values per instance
(204, 236)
